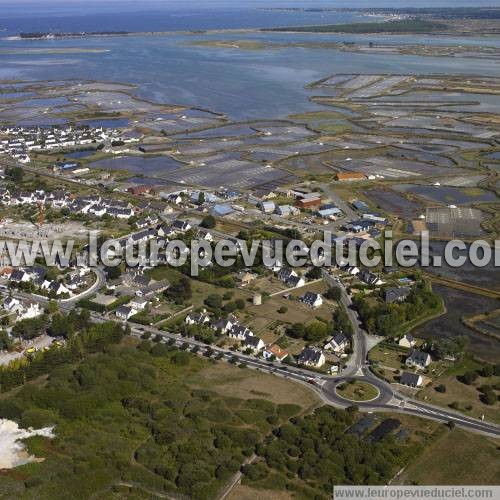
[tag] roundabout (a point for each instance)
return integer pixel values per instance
(363, 390)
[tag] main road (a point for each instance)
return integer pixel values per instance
(388, 399)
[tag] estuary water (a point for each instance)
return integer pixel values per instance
(244, 84)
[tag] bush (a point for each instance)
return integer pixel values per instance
(180, 358)
(489, 398)
(208, 222)
(440, 388)
(468, 378)
(487, 371)
(283, 310)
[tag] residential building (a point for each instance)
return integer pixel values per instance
(239, 332)
(197, 318)
(411, 379)
(396, 294)
(418, 359)
(275, 352)
(406, 341)
(254, 343)
(312, 300)
(311, 356)
(125, 312)
(338, 343)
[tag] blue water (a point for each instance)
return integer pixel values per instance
(80, 154)
(106, 122)
(242, 84)
(160, 19)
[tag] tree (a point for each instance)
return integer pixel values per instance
(487, 371)
(113, 272)
(201, 198)
(468, 378)
(180, 358)
(213, 301)
(180, 291)
(31, 328)
(5, 340)
(296, 331)
(489, 397)
(314, 273)
(316, 331)
(52, 307)
(15, 174)
(208, 222)
(333, 293)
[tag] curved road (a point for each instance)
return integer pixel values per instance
(357, 369)
(389, 399)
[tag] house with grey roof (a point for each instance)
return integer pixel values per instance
(418, 359)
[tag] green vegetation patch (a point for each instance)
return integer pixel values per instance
(403, 26)
(126, 415)
(357, 391)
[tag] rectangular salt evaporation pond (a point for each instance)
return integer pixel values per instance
(394, 203)
(156, 165)
(449, 195)
(80, 154)
(43, 102)
(16, 95)
(106, 123)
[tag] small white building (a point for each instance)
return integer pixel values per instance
(312, 300)
(406, 341)
(255, 344)
(125, 312)
(311, 356)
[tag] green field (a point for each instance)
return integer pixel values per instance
(458, 458)
(403, 26)
(357, 391)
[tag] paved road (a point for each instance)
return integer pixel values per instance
(387, 400)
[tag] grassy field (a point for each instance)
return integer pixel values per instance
(234, 382)
(244, 492)
(467, 396)
(388, 357)
(457, 458)
(357, 391)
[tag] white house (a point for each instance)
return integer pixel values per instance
(204, 235)
(418, 359)
(276, 351)
(30, 310)
(125, 312)
(411, 379)
(312, 356)
(253, 343)
(239, 332)
(268, 207)
(224, 325)
(201, 318)
(138, 303)
(406, 341)
(312, 300)
(337, 343)
(12, 305)
(295, 282)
